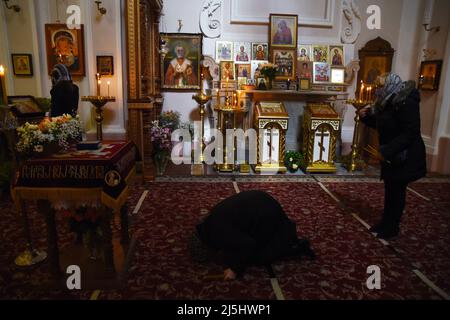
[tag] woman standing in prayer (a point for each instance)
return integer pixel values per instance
(65, 94)
(396, 116)
(247, 228)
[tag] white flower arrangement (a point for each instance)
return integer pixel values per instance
(60, 130)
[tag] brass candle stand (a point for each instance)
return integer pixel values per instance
(353, 162)
(99, 103)
(202, 99)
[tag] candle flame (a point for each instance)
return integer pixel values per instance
(2, 70)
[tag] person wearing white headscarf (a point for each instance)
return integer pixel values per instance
(65, 94)
(396, 116)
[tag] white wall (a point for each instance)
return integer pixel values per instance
(25, 33)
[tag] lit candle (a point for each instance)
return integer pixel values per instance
(4, 96)
(226, 89)
(361, 92)
(234, 100)
(109, 84)
(99, 84)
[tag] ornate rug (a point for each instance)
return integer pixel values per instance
(161, 267)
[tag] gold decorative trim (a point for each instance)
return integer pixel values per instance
(262, 123)
(336, 124)
(132, 43)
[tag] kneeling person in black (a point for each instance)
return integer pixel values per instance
(250, 228)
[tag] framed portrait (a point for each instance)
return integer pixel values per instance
(242, 52)
(286, 60)
(261, 84)
(338, 75)
(256, 66)
(65, 46)
(304, 52)
(105, 65)
(375, 60)
(430, 74)
(320, 53)
(305, 70)
(321, 72)
(283, 30)
(224, 50)
(227, 70)
(243, 70)
(242, 81)
(22, 64)
(181, 67)
(305, 84)
(336, 56)
(260, 51)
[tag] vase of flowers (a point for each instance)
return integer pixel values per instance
(269, 71)
(49, 136)
(293, 161)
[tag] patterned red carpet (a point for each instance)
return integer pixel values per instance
(425, 238)
(162, 269)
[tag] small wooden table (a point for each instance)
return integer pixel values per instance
(77, 179)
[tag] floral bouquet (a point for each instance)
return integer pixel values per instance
(170, 119)
(162, 144)
(57, 132)
(293, 161)
(269, 70)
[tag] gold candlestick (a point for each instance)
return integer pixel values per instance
(99, 102)
(353, 161)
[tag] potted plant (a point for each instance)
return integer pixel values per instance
(293, 161)
(269, 70)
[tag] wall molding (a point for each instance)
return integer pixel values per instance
(327, 21)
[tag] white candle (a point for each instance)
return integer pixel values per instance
(99, 84)
(109, 84)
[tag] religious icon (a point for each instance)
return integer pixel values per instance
(260, 51)
(321, 72)
(22, 64)
(227, 70)
(105, 65)
(242, 52)
(256, 68)
(224, 50)
(320, 53)
(243, 70)
(283, 30)
(65, 46)
(286, 62)
(376, 67)
(112, 178)
(306, 70)
(181, 66)
(430, 74)
(304, 53)
(337, 75)
(336, 56)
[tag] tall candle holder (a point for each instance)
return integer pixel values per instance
(366, 96)
(202, 99)
(99, 103)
